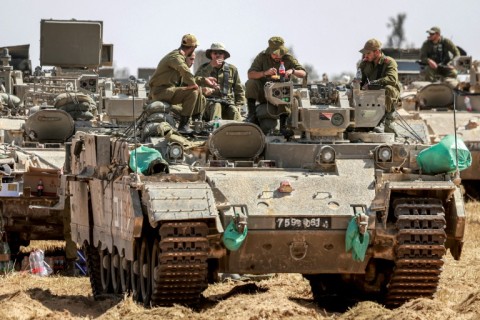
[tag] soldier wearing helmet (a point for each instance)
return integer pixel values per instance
(378, 69)
(167, 82)
(436, 53)
(264, 66)
(225, 101)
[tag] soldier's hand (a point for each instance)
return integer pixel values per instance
(212, 82)
(432, 64)
(218, 62)
(270, 72)
(191, 87)
(207, 91)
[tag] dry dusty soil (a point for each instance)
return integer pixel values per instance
(25, 296)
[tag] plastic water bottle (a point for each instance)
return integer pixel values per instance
(216, 123)
(281, 71)
(37, 263)
(40, 188)
(357, 80)
(358, 75)
(5, 264)
(468, 104)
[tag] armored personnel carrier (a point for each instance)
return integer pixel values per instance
(349, 209)
(40, 111)
(435, 103)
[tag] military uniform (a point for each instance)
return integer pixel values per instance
(254, 88)
(385, 73)
(440, 53)
(231, 90)
(165, 83)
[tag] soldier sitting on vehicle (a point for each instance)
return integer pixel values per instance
(171, 71)
(223, 102)
(264, 66)
(378, 69)
(436, 54)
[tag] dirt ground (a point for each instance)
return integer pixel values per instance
(286, 296)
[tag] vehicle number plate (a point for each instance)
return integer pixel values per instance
(303, 223)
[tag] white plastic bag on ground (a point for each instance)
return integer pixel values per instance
(38, 265)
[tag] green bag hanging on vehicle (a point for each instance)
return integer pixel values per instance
(441, 157)
(142, 157)
(355, 241)
(232, 239)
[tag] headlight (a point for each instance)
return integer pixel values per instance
(175, 151)
(384, 154)
(326, 155)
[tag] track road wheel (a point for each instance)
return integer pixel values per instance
(125, 274)
(115, 271)
(145, 272)
(155, 262)
(135, 272)
(105, 271)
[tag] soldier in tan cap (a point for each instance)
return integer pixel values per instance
(436, 53)
(378, 69)
(223, 102)
(264, 66)
(174, 83)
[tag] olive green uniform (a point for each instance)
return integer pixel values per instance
(254, 89)
(384, 73)
(231, 91)
(165, 83)
(442, 53)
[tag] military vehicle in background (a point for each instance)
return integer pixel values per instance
(162, 218)
(434, 103)
(409, 70)
(42, 110)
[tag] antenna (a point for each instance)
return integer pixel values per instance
(134, 131)
(456, 180)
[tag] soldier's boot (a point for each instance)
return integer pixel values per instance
(284, 130)
(183, 125)
(380, 128)
(251, 117)
(386, 124)
(283, 122)
(389, 122)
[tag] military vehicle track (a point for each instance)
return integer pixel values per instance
(179, 261)
(93, 263)
(421, 246)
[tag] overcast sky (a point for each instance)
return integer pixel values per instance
(325, 34)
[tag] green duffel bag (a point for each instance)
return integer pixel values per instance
(441, 157)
